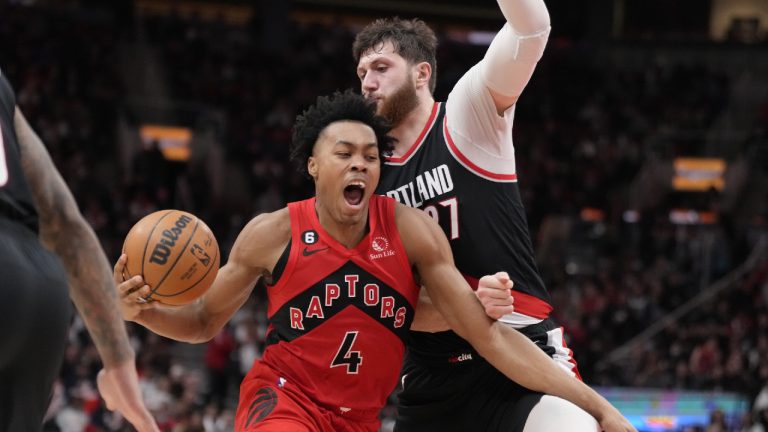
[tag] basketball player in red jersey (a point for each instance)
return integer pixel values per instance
(456, 161)
(341, 271)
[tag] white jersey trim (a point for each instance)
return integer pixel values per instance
(517, 320)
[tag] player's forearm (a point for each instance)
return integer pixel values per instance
(91, 287)
(522, 361)
(512, 57)
(527, 17)
(181, 323)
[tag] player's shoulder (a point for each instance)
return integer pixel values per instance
(417, 229)
(266, 231)
(275, 222)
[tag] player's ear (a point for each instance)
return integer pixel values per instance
(423, 74)
(312, 167)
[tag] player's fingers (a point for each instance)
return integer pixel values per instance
(503, 277)
(490, 281)
(503, 310)
(140, 295)
(494, 294)
(148, 304)
(497, 312)
(130, 286)
(119, 268)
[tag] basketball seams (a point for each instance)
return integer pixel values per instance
(176, 261)
(215, 260)
(146, 244)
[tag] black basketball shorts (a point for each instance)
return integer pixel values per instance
(35, 313)
(464, 393)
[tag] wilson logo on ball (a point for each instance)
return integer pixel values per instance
(162, 249)
(176, 254)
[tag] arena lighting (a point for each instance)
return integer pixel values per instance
(698, 174)
(173, 141)
(652, 410)
(692, 217)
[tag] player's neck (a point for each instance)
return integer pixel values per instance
(349, 234)
(408, 130)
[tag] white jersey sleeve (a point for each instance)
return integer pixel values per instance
(476, 130)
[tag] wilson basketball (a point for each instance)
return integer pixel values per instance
(176, 254)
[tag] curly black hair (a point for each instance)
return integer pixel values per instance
(340, 106)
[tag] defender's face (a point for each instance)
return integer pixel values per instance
(345, 166)
(382, 72)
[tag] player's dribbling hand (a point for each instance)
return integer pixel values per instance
(119, 386)
(495, 294)
(131, 293)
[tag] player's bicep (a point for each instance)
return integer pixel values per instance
(248, 260)
(431, 255)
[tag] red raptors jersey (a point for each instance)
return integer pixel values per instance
(338, 317)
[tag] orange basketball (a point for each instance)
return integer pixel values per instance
(176, 254)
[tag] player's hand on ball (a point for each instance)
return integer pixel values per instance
(131, 293)
(495, 294)
(119, 386)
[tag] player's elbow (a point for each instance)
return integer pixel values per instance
(208, 325)
(491, 341)
(483, 338)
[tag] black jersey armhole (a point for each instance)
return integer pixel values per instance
(280, 265)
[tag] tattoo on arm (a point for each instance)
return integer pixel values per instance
(64, 231)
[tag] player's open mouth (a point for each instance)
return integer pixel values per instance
(353, 193)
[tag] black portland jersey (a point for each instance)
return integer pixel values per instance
(15, 196)
(480, 212)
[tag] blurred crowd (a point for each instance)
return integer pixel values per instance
(586, 128)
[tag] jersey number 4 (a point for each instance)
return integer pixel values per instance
(3, 162)
(346, 357)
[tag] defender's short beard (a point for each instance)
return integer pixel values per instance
(402, 102)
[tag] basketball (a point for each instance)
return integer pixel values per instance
(176, 254)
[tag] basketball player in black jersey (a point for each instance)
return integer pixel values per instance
(455, 160)
(38, 216)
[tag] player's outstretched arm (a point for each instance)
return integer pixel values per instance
(256, 250)
(64, 231)
(512, 57)
(506, 349)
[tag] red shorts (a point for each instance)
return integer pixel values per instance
(267, 405)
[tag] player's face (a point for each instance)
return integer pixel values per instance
(388, 79)
(345, 166)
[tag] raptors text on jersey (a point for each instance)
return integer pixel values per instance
(339, 317)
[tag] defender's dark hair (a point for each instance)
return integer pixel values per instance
(337, 107)
(413, 40)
